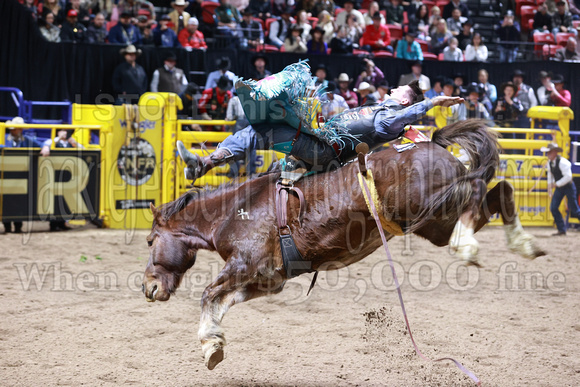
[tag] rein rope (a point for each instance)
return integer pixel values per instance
(371, 203)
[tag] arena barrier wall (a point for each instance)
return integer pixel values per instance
(138, 162)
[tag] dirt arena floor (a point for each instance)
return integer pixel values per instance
(73, 314)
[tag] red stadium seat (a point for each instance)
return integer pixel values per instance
(383, 54)
(441, 56)
(260, 21)
(405, 18)
(359, 52)
(270, 48)
(527, 12)
(520, 3)
(110, 25)
(364, 11)
(208, 12)
(424, 45)
(576, 24)
(282, 49)
(441, 4)
(541, 39)
(429, 56)
(396, 31)
(269, 21)
(338, 10)
(562, 38)
(530, 24)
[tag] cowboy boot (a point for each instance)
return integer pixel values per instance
(198, 166)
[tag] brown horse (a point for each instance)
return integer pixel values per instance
(425, 190)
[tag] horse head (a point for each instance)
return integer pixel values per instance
(171, 254)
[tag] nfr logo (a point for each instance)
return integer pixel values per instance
(143, 125)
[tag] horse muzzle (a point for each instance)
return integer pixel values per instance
(154, 291)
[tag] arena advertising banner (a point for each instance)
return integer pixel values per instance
(64, 185)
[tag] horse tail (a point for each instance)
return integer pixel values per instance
(482, 148)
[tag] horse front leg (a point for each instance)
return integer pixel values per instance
(500, 199)
(234, 284)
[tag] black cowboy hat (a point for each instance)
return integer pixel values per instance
(331, 87)
(415, 63)
(259, 56)
(518, 73)
(321, 66)
(507, 84)
(557, 78)
(171, 57)
(247, 12)
(460, 75)
(448, 82)
(224, 83)
(296, 27)
(317, 29)
(474, 88)
(224, 63)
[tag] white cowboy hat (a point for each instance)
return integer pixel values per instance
(343, 78)
(130, 49)
(363, 86)
(551, 146)
(180, 2)
(15, 120)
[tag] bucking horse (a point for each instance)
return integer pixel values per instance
(425, 190)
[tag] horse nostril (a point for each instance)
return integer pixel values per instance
(143, 288)
(154, 288)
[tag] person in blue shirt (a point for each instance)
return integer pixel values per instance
(408, 48)
(163, 36)
(124, 32)
(373, 124)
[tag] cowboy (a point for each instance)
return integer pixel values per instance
(178, 16)
(560, 176)
(214, 102)
(129, 78)
(168, 78)
(374, 125)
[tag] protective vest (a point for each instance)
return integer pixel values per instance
(556, 172)
(170, 81)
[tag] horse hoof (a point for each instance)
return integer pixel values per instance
(214, 356)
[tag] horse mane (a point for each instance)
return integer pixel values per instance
(169, 210)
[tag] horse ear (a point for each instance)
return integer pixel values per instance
(153, 209)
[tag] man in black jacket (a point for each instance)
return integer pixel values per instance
(129, 78)
(72, 30)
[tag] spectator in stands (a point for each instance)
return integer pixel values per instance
(365, 94)
(190, 37)
(72, 30)
(437, 88)
(303, 22)
(449, 87)
(323, 5)
(354, 30)
(394, 12)
(416, 74)
(178, 16)
(163, 36)
(568, 53)
(412, 6)
(342, 44)
(573, 10)
(294, 42)
(448, 9)
(466, 35)
(476, 51)
(281, 6)
(132, 7)
(332, 104)
(377, 36)
(472, 107)
(349, 11)
(556, 94)
(490, 91)
(144, 25)
(190, 102)
(524, 93)
(382, 92)
(168, 78)
(419, 23)
(345, 92)
(50, 32)
(129, 78)
(52, 6)
(440, 39)
(508, 33)
(317, 45)
(235, 112)
(124, 32)
(542, 92)
(223, 66)
(326, 22)
(373, 9)
(321, 74)
(228, 18)
(214, 102)
(452, 53)
(434, 19)
(508, 108)
(551, 5)
(83, 16)
(370, 74)
(308, 6)
(259, 71)
(408, 48)
(454, 24)
(279, 29)
(562, 20)
(261, 8)
(542, 20)
(195, 9)
(97, 32)
(252, 36)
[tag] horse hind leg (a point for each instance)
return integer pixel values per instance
(462, 240)
(500, 199)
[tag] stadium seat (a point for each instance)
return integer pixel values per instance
(261, 22)
(576, 24)
(338, 10)
(271, 48)
(521, 3)
(441, 4)
(383, 54)
(527, 12)
(424, 45)
(429, 56)
(562, 38)
(530, 24)
(110, 25)
(441, 56)
(541, 39)
(208, 12)
(396, 31)
(269, 21)
(549, 50)
(359, 52)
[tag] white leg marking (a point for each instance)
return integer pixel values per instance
(463, 242)
(519, 241)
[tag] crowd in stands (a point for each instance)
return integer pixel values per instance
(414, 30)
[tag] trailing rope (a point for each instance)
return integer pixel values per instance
(376, 216)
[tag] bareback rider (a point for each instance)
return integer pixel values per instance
(375, 125)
